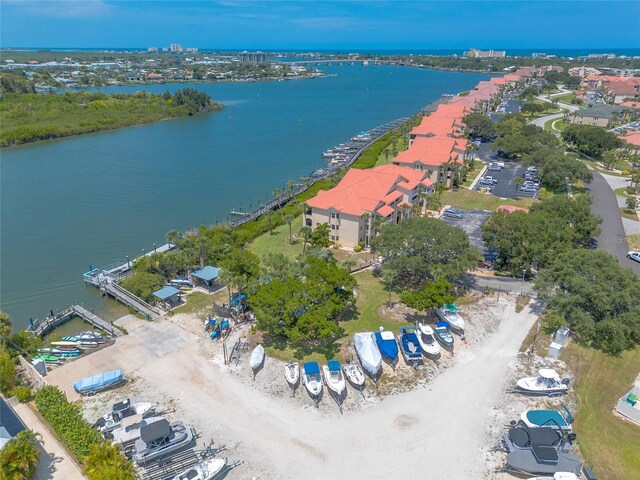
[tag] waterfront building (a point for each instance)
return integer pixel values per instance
(439, 157)
(252, 57)
(445, 121)
(176, 48)
(474, 53)
(363, 197)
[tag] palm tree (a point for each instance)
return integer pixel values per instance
(173, 236)
(439, 188)
(106, 460)
(288, 218)
(349, 263)
(306, 233)
(19, 457)
(269, 215)
(226, 279)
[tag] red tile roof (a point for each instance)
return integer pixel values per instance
(433, 151)
(362, 191)
(385, 211)
(632, 138)
(630, 104)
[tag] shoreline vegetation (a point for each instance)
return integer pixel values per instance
(31, 117)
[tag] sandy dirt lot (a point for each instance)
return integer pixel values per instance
(446, 426)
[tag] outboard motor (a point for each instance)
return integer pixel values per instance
(572, 437)
(565, 381)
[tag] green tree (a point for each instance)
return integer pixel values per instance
(288, 219)
(432, 295)
(592, 141)
(5, 325)
(631, 203)
(19, 457)
(320, 236)
(143, 284)
(106, 461)
(588, 291)
(479, 125)
(8, 377)
(418, 250)
(242, 266)
(306, 232)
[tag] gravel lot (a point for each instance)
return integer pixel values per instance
(442, 423)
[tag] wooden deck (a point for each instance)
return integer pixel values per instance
(41, 328)
(130, 300)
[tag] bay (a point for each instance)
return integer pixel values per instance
(94, 199)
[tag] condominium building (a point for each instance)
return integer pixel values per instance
(363, 197)
(252, 57)
(438, 157)
(445, 121)
(474, 53)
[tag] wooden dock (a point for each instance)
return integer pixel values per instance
(41, 328)
(128, 299)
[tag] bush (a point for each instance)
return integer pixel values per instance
(67, 421)
(22, 393)
(19, 457)
(336, 245)
(357, 248)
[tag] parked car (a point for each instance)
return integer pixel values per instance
(451, 213)
(490, 179)
(529, 189)
(500, 164)
(634, 256)
(485, 264)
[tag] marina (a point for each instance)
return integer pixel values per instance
(43, 327)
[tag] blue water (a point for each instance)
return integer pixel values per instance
(96, 198)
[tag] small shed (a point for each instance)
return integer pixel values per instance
(167, 297)
(205, 276)
(629, 404)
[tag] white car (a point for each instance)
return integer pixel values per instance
(634, 256)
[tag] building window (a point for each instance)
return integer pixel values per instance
(333, 227)
(337, 238)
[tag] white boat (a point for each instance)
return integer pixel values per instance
(160, 439)
(257, 357)
(368, 353)
(354, 374)
(129, 431)
(558, 476)
(313, 380)
(122, 410)
(547, 382)
(449, 313)
(210, 469)
(427, 340)
(85, 337)
(292, 373)
(334, 378)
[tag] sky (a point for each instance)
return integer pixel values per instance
(307, 24)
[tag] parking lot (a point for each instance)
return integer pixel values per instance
(472, 223)
(506, 186)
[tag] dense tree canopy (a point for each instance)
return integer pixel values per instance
(106, 461)
(479, 125)
(306, 307)
(143, 284)
(418, 250)
(19, 457)
(592, 141)
(555, 168)
(526, 140)
(536, 239)
(432, 295)
(600, 301)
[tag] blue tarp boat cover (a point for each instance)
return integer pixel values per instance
(311, 368)
(334, 365)
(98, 382)
(387, 345)
(451, 307)
(542, 417)
(443, 324)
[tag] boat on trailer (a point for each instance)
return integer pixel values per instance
(449, 313)
(159, 439)
(257, 358)
(210, 469)
(427, 340)
(542, 460)
(558, 476)
(354, 375)
(97, 383)
(292, 373)
(522, 437)
(121, 410)
(368, 353)
(410, 346)
(443, 334)
(313, 380)
(547, 418)
(334, 378)
(387, 345)
(547, 383)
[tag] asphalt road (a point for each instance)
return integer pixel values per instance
(472, 223)
(612, 238)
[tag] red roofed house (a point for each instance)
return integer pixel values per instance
(631, 104)
(363, 196)
(633, 139)
(445, 121)
(435, 155)
(619, 89)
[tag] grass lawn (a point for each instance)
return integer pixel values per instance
(566, 98)
(278, 241)
(621, 192)
(401, 145)
(370, 296)
(473, 174)
(470, 199)
(634, 242)
(607, 442)
(630, 214)
(555, 125)
(199, 302)
(601, 169)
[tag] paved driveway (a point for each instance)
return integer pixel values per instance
(612, 238)
(472, 223)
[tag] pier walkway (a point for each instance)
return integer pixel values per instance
(45, 326)
(128, 299)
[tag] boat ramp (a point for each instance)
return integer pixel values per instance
(43, 327)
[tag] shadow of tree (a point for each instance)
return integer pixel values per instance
(328, 348)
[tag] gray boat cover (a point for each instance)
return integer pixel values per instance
(368, 352)
(155, 430)
(526, 461)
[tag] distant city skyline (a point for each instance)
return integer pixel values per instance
(255, 25)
